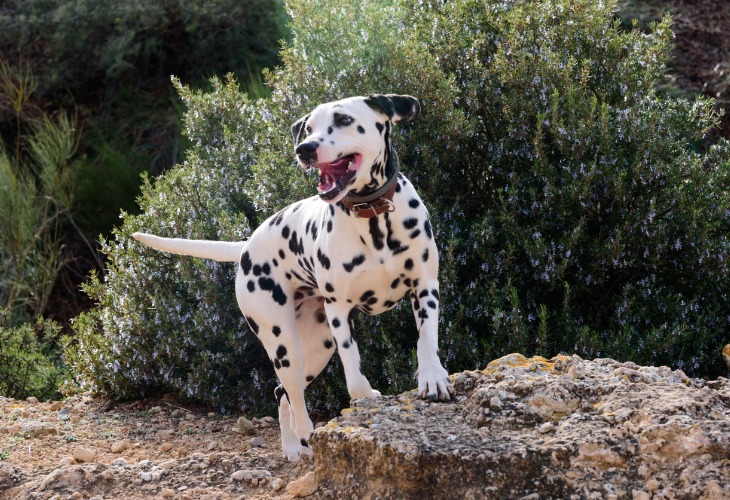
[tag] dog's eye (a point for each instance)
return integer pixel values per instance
(309, 129)
(343, 120)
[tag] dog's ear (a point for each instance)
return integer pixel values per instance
(398, 108)
(299, 129)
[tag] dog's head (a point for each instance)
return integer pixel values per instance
(349, 141)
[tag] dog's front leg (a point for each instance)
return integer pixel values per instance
(357, 384)
(433, 379)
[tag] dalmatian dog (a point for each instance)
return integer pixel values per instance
(362, 244)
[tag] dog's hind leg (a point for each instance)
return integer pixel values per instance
(317, 347)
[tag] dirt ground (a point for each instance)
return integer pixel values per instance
(84, 447)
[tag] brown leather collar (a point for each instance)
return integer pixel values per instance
(367, 207)
(370, 209)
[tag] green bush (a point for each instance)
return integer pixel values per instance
(572, 207)
(30, 365)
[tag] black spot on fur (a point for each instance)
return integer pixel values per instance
(376, 234)
(425, 255)
(435, 293)
(395, 283)
(285, 232)
(257, 270)
(309, 378)
(277, 364)
(328, 344)
(329, 287)
(410, 223)
(415, 234)
(281, 351)
(276, 292)
(246, 263)
(329, 225)
(379, 126)
(409, 264)
(304, 443)
(336, 323)
(276, 331)
(251, 286)
(356, 261)
(346, 344)
(296, 245)
(252, 324)
(323, 259)
(431, 304)
(427, 228)
(360, 129)
(413, 203)
(279, 393)
(320, 316)
(282, 254)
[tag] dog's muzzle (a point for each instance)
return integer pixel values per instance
(307, 152)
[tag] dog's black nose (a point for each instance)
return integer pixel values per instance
(307, 152)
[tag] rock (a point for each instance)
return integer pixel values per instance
(56, 405)
(167, 493)
(66, 461)
(166, 447)
(14, 429)
(258, 441)
(244, 426)
(250, 474)
(528, 427)
(32, 400)
(277, 484)
(213, 445)
(120, 446)
(82, 454)
(38, 429)
(304, 486)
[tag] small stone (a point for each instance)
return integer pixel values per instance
(67, 461)
(277, 484)
(32, 400)
(119, 462)
(181, 451)
(211, 414)
(38, 429)
(56, 405)
(167, 493)
(120, 446)
(244, 426)
(546, 427)
(304, 486)
(250, 475)
(652, 485)
(212, 445)
(84, 454)
(14, 429)
(168, 464)
(166, 447)
(258, 441)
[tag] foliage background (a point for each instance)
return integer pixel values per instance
(575, 207)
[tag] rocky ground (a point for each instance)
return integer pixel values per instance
(532, 428)
(83, 448)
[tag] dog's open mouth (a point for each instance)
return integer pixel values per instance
(334, 177)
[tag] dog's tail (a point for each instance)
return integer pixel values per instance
(222, 251)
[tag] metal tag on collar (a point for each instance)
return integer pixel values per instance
(369, 206)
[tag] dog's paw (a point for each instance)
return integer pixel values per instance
(434, 384)
(376, 394)
(295, 453)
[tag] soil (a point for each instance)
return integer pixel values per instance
(86, 447)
